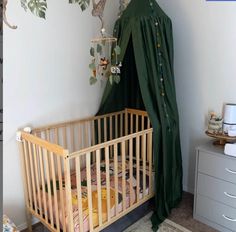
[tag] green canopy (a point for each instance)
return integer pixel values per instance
(144, 34)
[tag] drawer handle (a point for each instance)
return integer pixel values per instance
(230, 171)
(229, 195)
(229, 219)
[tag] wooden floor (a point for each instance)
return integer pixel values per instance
(182, 215)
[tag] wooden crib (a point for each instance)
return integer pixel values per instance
(83, 175)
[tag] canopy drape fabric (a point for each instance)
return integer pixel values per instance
(144, 34)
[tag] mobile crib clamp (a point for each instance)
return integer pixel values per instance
(18, 133)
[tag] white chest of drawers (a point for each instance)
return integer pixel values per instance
(215, 188)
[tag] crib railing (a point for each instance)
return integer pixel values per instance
(51, 154)
(143, 146)
(78, 134)
(44, 166)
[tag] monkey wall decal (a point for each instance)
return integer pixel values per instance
(98, 9)
(4, 17)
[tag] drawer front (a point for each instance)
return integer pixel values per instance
(216, 166)
(217, 189)
(216, 212)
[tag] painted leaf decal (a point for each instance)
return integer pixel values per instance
(117, 79)
(99, 49)
(92, 80)
(92, 51)
(24, 4)
(82, 3)
(117, 50)
(38, 7)
(92, 66)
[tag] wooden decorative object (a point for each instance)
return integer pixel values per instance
(221, 139)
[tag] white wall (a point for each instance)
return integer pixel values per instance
(46, 79)
(205, 68)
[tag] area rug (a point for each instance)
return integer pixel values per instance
(145, 225)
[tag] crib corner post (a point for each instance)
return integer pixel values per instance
(29, 220)
(68, 191)
(23, 169)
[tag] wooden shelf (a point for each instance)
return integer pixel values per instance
(221, 139)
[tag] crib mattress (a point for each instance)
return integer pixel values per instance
(131, 194)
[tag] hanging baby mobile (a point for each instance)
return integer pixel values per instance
(104, 52)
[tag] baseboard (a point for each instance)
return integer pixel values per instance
(188, 189)
(23, 226)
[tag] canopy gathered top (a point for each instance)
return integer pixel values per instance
(145, 37)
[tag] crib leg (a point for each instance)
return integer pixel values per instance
(29, 220)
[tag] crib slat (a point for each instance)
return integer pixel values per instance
(49, 192)
(144, 153)
(86, 144)
(126, 122)
(123, 175)
(80, 136)
(137, 122)
(105, 129)
(92, 133)
(142, 122)
(68, 195)
(137, 166)
(131, 124)
(150, 161)
(116, 177)
(89, 189)
(64, 135)
(99, 130)
(131, 168)
(47, 135)
(72, 137)
(121, 124)
(37, 179)
(116, 126)
(56, 141)
(28, 177)
(80, 130)
(56, 135)
(43, 183)
(98, 166)
(108, 183)
(62, 205)
(54, 191)
(111, 135)
(32, 177)
(111, 128)
(72, 143)
(149, 123)
(93, 139)
(85, 136)
(79, 194)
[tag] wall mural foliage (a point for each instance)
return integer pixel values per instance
(39, 7)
